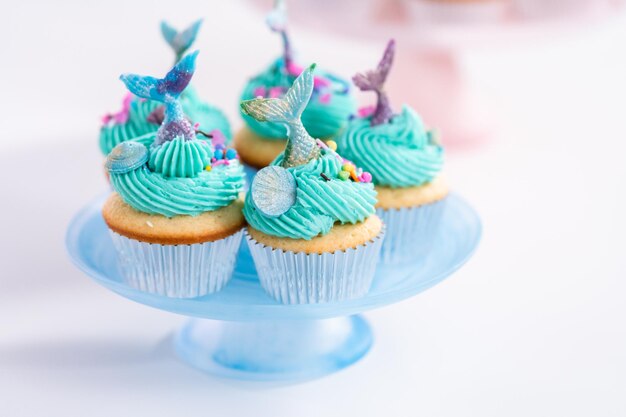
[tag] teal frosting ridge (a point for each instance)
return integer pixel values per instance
(180, 158)
(112, 134)
(397, 154)
(172, 183)
(319, 203)
(321, 120)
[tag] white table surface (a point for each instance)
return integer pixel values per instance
(533, 325)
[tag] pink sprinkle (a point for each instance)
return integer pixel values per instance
(366, 177)
(366, 111)
(321, 144)
(221, 162)
(217, 137)
(213, 160)
(319, 82)
(259, 92)
(325, 98)
(121, 116)
(294, 69)
(196, 125)
(276, 92)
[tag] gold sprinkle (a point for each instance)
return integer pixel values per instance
(149, 223)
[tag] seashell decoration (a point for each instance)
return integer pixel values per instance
(126, 157)
(273, 190)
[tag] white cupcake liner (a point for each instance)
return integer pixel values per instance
(178, 271)
(301, 278)
(410, 231)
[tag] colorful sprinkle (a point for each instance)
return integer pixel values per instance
(217, 137)
(325, 98)
(332, 145)
(366, 177)
(319, 82)
(231, 154)
(276, 92)
(208, 168)
(366, 111)
(121, 116)
(259, 92)
(321, 144)
(219, 154)
(344, 175)
(325, 177)
(348, 167)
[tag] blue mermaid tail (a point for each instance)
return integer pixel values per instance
(180, 41)
(167, 90)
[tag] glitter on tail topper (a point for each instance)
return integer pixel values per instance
(301, 147)
(374, 80)
(167, 90)
(180, 41)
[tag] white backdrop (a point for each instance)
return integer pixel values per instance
(533, 325)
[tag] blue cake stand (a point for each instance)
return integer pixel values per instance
(242, 333)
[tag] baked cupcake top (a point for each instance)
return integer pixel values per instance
(331, 102)
(177, 174)
(396, 148)
(309, 187)
(139, 116)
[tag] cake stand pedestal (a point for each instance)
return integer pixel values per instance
(273, 349)
(241, 332)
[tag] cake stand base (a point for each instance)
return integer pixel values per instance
(273, 350)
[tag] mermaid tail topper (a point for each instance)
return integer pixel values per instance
(374, 81)
(180, 41)
(301, 147)
(167, 90)
(277, 22)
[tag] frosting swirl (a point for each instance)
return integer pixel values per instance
(180, 157)
(397, 154)
(319, 204)
(325, 115)
(176, 187)
(112, 134)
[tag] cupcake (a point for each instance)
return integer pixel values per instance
(405, 162)
(140, 117)
(325, 116)
(312, 230)
(175, 217)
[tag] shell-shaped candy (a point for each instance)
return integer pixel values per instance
(273, 190)
(126, 157)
